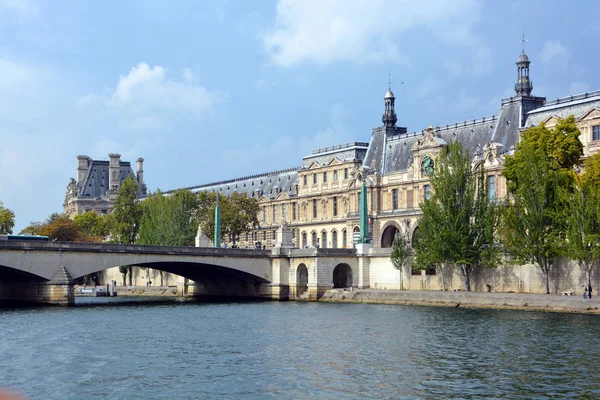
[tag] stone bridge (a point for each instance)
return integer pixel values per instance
(44, 272)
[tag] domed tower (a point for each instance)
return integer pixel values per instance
(389, 115)
(524, 86)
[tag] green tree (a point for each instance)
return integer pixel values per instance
(127, 213)
(400, 254)
(239, 213)
(92, 224)
(581, 215)
(7, 220)
(540, 168)
(169, 220)
(458, 223)
(62, 229)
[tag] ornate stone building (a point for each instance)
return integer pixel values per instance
(98, 183)
(320, 199)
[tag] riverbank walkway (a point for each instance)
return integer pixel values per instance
(521, 301)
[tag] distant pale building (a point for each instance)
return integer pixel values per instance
(98, 183)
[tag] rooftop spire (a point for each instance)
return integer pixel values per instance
(523, 86)
(389, 115)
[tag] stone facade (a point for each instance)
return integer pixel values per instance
(98, 184)
(319, 200)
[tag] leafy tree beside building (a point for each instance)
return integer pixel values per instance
(458, 222)
(540, 169)
(169, 220)
(580, 213)
(239, 213)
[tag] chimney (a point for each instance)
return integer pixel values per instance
(140, 172)
(114, 170)
(82, 168)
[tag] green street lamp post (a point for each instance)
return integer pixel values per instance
(364, 214)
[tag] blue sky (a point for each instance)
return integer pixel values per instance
(212, 90)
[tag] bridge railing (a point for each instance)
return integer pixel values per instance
(129, 248)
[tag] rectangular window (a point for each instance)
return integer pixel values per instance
(335, 175)
(335, 206)
(264, 215)
(293, 211)
(596, 132)
(305, 179)
(427, 191)
(274, 235)
(491, 187)
(324, 177)
(345, 173)
(284, 211)
(394, 199)
(315, 208)
(409, 199)
(314, 179)
(274, 213)
(358, 201)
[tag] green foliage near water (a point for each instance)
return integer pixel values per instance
(459, 221)
(580, 213)
(540, 180)
(127, 213)
(169, 220)
(7, 220)
(239, 213)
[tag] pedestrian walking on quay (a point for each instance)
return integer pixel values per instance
(585, 294)
(589, 291)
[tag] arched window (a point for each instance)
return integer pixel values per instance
(427, 165)
(344, 239)
(324, 239)
(334, 244)
(313, 238)
(304, 241)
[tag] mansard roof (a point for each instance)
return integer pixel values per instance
(577, 105)
(95, 182)
(269, 184)
(353, 151)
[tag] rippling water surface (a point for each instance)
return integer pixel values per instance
(295, 351)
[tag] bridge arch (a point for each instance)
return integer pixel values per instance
(342, 276)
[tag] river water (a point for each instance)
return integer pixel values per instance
(100, 349)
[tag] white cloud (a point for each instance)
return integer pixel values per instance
(148, 89)
(555, 53)
(328, 31)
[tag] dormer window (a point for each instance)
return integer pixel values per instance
(596, 132)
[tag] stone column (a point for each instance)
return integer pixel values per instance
(364, 265)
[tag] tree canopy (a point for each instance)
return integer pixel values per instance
(127, 213)
(580, 212)
(169, 220)
(94, 225)
(239, 213)
(540, 169)
(458, 222)
(7, 220)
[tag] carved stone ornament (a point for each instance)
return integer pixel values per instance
(429, 140)
(491, 154)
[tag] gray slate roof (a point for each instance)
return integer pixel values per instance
(563, 107)
(95, 183)
(269, 184)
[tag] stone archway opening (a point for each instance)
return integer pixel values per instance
(342, 276)
(301, 280)
(388, 236)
